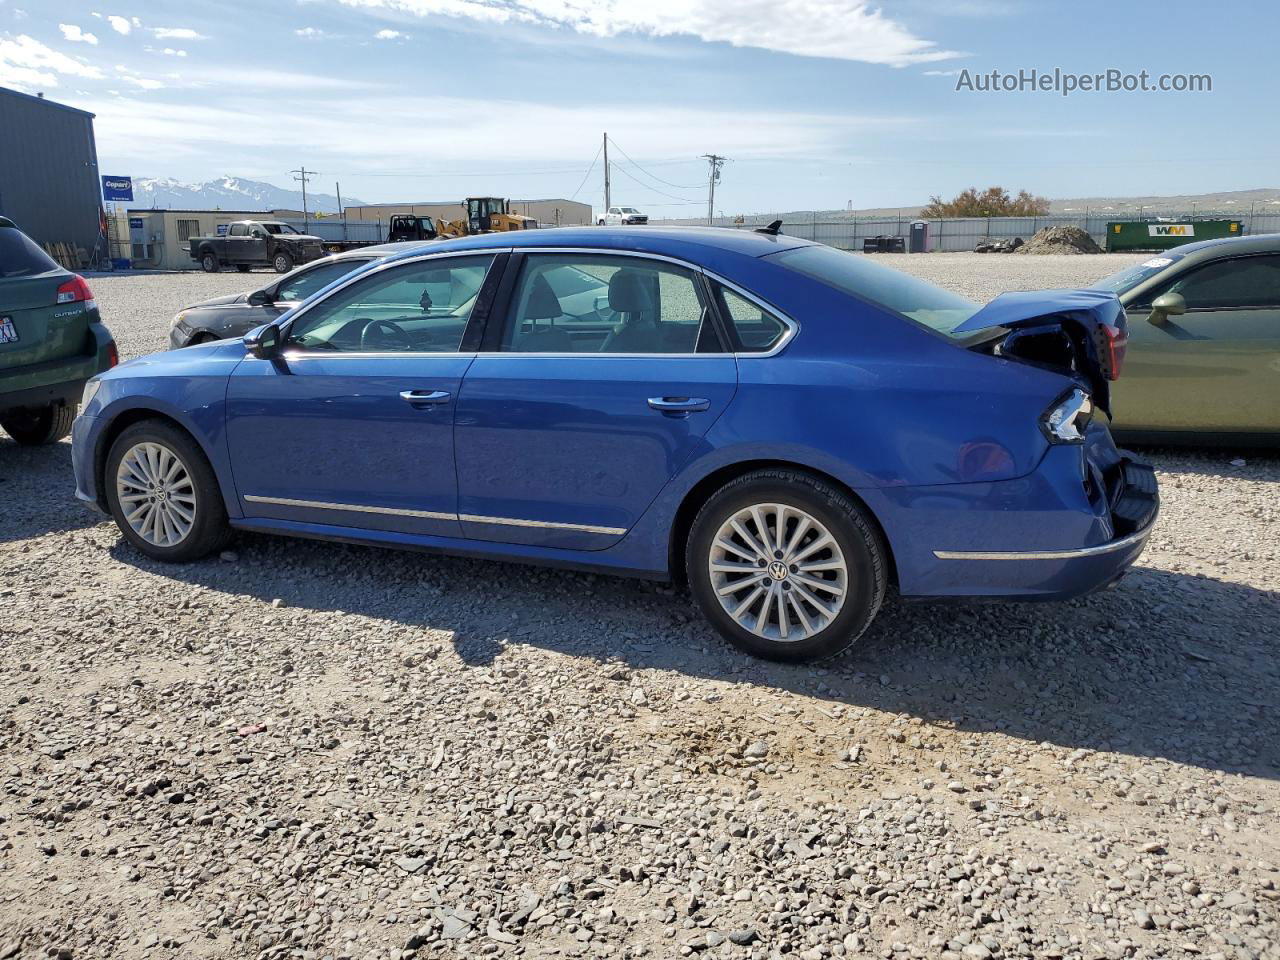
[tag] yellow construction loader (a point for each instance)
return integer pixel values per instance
(485, 215)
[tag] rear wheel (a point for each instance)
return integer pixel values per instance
(786, 566)
(282, 262)
(35, 426)
(163, 493)
(209, 262)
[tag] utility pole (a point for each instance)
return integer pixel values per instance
(337, 189)
(303, 175)
(608, 199)
(713, 177)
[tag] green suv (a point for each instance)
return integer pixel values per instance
(51, 341)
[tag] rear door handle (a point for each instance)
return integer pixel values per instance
(679, 404)
(420, 397)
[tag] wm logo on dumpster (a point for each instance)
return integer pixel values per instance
(1171, 230)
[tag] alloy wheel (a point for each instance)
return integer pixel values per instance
(778, 572)
(156, 494)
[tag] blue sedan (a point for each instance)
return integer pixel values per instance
(792, 429)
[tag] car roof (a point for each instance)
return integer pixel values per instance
(674, 241)
(1260, 243)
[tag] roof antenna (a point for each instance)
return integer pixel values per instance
(772, 229)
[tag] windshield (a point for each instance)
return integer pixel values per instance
(279, 228)
(932, 307)
(629, 210)
(1125, 280)
(19, 255)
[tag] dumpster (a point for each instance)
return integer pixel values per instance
(1163, 234)
(919, 236)
(884, 244)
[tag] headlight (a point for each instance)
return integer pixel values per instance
(1068, 419)
(90, 391)
(180, 321)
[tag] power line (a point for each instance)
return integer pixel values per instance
(713, 177)
(588, 173)
(303, 175)
(623, 170)
(678, 186)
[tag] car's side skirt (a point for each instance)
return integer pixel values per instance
(593, 562)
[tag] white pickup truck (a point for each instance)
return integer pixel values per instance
(622, 216)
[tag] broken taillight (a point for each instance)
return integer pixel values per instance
(1116, 343)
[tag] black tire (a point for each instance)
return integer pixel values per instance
(242, 267)
(209, 262)
(209, 531)
(36, 426)
(854, 533)
(282, 262)
(200, 338)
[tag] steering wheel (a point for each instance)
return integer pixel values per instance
(383, 333)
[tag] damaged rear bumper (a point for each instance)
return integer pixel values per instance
(1073, 526)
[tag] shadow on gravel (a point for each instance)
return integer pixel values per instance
(1165, 665)
(38, 492)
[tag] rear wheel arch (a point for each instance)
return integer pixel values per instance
(704, 489)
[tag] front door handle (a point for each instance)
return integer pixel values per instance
(679, 404)
(419, 397)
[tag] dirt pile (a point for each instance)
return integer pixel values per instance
(1060, 240)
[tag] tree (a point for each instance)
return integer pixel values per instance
(992, 202)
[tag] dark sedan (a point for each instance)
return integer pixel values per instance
(238, 313)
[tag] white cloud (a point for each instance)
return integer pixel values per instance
(178, 33)
(73, 33)
(942, 73)
(120, 25)
(27, 64)
(837, 29)
(171, 52)
(388, 35)
(309, 33)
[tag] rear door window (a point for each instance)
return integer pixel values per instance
(20, 256)
(584, 303)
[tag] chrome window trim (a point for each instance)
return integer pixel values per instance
(1122, 544)
(431, 515)
(793, 326)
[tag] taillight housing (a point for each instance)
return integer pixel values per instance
(1067, 420)
(113, 354)
(76, 290)
(1115, 343)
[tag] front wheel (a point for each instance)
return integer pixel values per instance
(282, 262)
(209, 262)
(163, 494)
(786, 566)
(36, 426)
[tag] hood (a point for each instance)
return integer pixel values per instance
(298, 237)
(1079, 332)
(188, 361)
(226, 301)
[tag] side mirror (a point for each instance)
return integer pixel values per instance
(1165, 306)
(263, 342)
(260, 298)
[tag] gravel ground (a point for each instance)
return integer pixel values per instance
(317, 750)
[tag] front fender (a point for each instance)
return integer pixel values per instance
(198, 405)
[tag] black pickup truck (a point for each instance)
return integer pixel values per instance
(256, 243)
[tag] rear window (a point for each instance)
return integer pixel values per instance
(20, 256)
(916, 299)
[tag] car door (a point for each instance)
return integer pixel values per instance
(256, 245)
(352, 424)
(588, 397)
(1215, 367)
(235, 244)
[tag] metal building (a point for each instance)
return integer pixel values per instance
(49, 181)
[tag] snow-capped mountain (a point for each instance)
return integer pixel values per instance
(229, 193)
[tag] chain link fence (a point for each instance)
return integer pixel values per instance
(956, 235)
